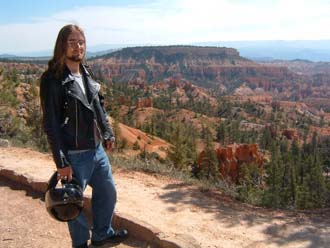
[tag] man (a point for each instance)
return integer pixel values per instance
(76, 125)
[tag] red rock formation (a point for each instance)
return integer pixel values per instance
(124, 100)
(258, 98)
(144, 103)
(323, 134)
(290, 134)
(231, 157)
(204, 66)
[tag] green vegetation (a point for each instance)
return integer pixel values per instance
(209, 164)
(288, 180)
(20, 122)
(294, 175)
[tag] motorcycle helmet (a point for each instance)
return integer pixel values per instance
(64, 203)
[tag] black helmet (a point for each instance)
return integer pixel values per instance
(66, 203)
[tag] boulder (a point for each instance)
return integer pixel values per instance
(4, 143)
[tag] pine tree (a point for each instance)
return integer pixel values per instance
(292, 185)
(34, 121)
(209, 164)
(302, 201)
(249, 182)
(265, 139)
(274, 170)
(327, 193)
(288, 187)
(178, 153)
(316, 183)
(191, 141)
(244, 182)
(294, 166)
(221, 133)
(236, 134)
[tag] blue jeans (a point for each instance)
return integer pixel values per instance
(93, 168)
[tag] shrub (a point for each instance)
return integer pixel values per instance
(136, 146)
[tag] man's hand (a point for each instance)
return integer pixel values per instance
(109, 144)
(65, 173)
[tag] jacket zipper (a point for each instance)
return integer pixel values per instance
(65, 122)
(76, 124)
(98, 129)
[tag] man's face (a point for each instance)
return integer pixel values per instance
(76, 47)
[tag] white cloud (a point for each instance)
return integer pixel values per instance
(28, 37)
(177, 21)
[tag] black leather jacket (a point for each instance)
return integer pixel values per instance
(72, 120)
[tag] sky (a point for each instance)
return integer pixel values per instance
(28, 26)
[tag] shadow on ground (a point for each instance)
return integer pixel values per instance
(282, 227)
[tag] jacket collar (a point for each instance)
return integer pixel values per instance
(67, 76)
(93, 86)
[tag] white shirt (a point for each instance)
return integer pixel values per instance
(79, 80)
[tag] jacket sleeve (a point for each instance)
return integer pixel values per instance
(102, 119)
(51, 107)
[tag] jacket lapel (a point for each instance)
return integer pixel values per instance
(91, 84)
(74, 90)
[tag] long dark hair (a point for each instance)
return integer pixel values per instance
(57, 63)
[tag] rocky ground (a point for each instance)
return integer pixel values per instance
(209, 218)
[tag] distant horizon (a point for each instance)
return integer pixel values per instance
(312, 50)
(101, 46)
(95, 48)
(34, 26)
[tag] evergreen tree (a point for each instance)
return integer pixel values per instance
(209, 163)
(265, 139)
(178, 153)
(302, 196)
(314, 143)
(316, 184)
(327, 193)
(274, 170)
(288, 187)
(191, 141)
(235, 132)
(292, 185)
(249, 182)
(221, 133)
(34, 121)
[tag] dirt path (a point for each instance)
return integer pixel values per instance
(25, 223)
(211, 218)
(215, 220)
